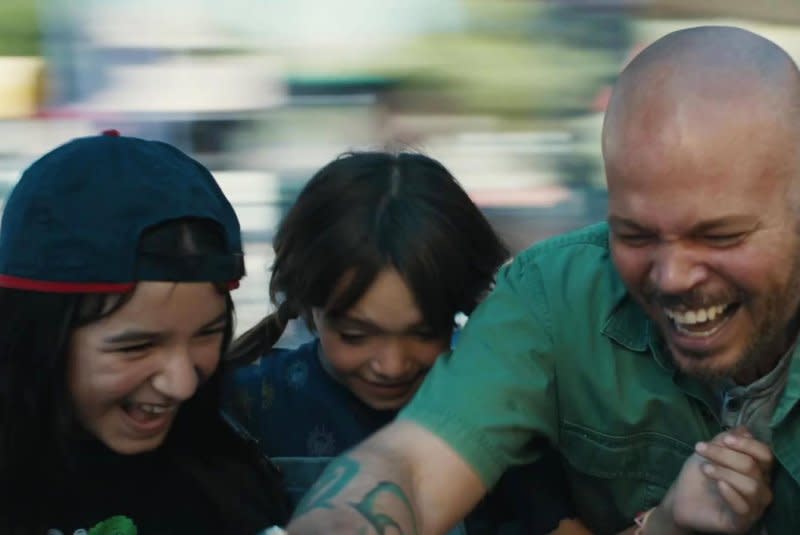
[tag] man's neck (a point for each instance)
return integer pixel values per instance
(750, 374)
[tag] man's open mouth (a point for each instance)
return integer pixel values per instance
(700, 322)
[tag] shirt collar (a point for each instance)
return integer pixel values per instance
(630, 326)
(627, 324)
(791, 393)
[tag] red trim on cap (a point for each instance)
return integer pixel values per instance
(19, 283)
(113, 132)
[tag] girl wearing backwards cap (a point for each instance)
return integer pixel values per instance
(117, 256)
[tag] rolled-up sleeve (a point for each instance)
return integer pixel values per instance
(493, 397)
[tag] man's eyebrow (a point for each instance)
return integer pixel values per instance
(727, 221)
(703, 226)
(615, 221)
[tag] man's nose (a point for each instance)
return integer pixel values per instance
(675, 269)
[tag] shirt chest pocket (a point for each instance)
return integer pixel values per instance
(613, 477)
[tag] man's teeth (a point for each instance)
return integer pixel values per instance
(693, 317)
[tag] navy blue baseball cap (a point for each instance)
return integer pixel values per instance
(73, 222)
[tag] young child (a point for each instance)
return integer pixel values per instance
(378, 255)
(116, 260)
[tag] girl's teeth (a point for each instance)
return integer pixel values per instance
(152, 409)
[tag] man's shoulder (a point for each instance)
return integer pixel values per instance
(571, 276)
(594, 237)
(580, 255)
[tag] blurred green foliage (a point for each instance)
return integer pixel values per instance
(515, 58)
(20, 33)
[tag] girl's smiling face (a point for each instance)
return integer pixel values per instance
(129, 372)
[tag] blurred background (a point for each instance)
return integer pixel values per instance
(509, 94)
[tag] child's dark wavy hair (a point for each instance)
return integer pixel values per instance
(37, 421)
(367, 211)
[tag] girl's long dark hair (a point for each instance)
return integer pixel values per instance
(37, 423)
(365, 212)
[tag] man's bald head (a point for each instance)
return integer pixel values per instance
(701, 78)
(701, 101)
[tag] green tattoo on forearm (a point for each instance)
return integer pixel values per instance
(382, 521)
(336, 477)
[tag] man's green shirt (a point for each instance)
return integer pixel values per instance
(560, 353)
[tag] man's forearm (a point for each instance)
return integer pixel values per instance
(347, 498)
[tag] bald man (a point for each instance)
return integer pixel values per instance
(656, 352)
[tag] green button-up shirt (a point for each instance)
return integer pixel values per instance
(560, 353)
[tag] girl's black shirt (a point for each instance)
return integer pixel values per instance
(148, 490)
(161, 493)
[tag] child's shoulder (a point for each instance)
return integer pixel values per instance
(281, 365)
